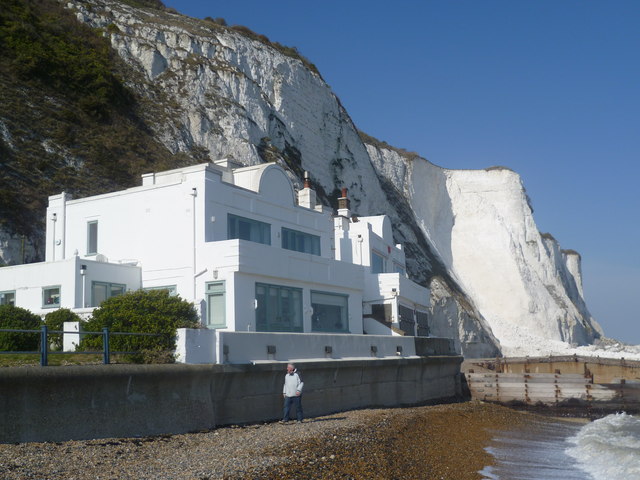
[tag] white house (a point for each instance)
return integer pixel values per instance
(391, 302)
(252, 255)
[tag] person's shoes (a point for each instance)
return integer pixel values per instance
(283, 421)
(300, 421)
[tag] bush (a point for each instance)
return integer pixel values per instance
(153, 311)
(217, 20)
(18, 318)
(55, 321)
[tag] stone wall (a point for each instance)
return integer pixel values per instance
(101, 401)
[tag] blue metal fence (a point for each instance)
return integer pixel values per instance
(106, 334)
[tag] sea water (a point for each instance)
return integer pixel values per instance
(608, 448)
(605, 449)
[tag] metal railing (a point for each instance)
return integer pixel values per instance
(106, 351)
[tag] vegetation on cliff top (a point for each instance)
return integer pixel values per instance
(68, 120)
(368, 139)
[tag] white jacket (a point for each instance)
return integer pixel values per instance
(292, 384)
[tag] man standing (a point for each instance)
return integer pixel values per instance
(292, 392)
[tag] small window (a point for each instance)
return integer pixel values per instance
(100, 291)
(172, 289)
(300, 241)
(8, 298)
(248, 229)
(399, 269)
(92, 237)
(330, 312)
(377, 263)
(215, 305)
(51, 297)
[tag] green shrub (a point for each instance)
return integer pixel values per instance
(217, 20)
(55, 321)
(13, 317)
(153, 311)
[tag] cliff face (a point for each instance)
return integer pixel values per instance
(481, 224)
(468, 234)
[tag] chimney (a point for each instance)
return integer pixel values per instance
(307, 196)
(343, 205)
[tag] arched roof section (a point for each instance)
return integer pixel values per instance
(381, 226)
(269, 180)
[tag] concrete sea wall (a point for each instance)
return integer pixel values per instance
(101, 401)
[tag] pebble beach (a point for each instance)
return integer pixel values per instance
(429, 442)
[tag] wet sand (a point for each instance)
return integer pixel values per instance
(434, 442)
(430, 442)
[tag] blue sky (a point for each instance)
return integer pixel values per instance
(548, 88)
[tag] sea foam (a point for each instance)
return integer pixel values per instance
(608, 448)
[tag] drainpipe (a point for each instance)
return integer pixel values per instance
(194, 194)
(54, 219)
(64, 225)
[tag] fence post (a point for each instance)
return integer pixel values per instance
(43, 346)
(105, 345)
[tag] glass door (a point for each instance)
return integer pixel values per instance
(216, 305)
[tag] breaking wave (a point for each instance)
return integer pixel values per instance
(608, 448)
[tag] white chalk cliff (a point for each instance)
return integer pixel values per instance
(496, 283)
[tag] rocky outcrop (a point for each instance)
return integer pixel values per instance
(467, 234)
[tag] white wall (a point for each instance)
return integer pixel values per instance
(196, 346)
(242, 263)
(154, 224)
(29, 280)
(200, 346)
(356, 240)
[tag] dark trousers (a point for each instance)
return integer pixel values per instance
(297, 403)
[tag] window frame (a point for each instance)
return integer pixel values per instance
(268, 325)
(216, 289)
(346, 312)
(398, 268)
(44, 296)
(264, 229)
(374, 254)
(172, 289)
(109, 287)
(3, 297)
(90, 224)
(289, 235)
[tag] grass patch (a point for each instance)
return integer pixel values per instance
(499, 168)
(548, 236)
(384, 145)
(56, 359)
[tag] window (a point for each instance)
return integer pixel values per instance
(51, 297)
(406, 320)
(422, 321)
(300, 241)
(92, 237)
(8, 298)
(100, 291)
(377, 263)
(248, 229)
(215, 305)
(330, 312)
(172, 289)
(399, 269)
(278, 309)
